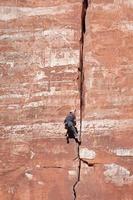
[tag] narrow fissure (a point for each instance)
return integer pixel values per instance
(89, 164)
(52, 167)
(81, 88)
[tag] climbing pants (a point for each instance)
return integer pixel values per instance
(71, 128)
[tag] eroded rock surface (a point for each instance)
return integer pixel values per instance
(39, 44)
(107, 172)
(41, 64)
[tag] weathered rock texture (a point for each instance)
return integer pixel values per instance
(39, 43)
(57, 56)
(107, 140)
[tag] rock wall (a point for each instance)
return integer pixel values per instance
(58, 56)
(39, 43)
(39, 60)
(107, 172)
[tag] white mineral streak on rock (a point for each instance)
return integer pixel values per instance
(123, 152)
(74, 70)
(105, 112)
(32, 154)
(16, 96)
(128, 3)
(44, 103)
(29, 176)
(121, 100)
(13, 107)
(32, 131)
(37, 94)
(106, 125)
(46, 129)
(9, 64)
(110, 7)
(72, 172)
(50, 34)
(124, 2)
(39, 75)
(40, 182)
(117, 174)
(62, 57)
(38, 166)
(87, 154)
(91, 77)
(11, 190)
(35, 104)
(97, 67)
(10, 13)
(19, 149)
(89, 58)
(125, 26)
(52, 90)
(97, 27)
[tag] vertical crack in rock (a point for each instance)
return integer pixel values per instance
(81, 70)
(81, 87)
(79, 170)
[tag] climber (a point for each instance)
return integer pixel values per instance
(70, 125)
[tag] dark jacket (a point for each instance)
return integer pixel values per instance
(70, 118)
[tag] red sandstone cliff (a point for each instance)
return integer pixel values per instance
(57, 56)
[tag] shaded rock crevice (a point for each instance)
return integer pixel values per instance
(87, 163)
(85, 4)
(52, 167)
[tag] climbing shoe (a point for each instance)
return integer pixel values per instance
(67, 141)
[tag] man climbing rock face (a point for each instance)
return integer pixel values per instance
(70, 125)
